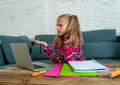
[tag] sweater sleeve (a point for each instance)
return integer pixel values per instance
(48, 50)
(56, 55)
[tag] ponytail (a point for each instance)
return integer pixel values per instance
(74, 29)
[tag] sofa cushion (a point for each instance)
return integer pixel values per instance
(28, 41)
(105, 35)
(2, 62)
(5, 42)
(101, 50)
(38, 52)
(44, 55)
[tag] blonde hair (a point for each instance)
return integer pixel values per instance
(72, 29)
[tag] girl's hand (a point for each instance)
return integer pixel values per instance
(69, 41)
(41, 43)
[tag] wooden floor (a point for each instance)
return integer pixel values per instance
(18, 76)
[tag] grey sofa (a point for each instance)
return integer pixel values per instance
(102, 45)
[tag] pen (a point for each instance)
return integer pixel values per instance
(38, 73)
(44, 69)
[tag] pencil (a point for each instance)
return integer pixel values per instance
(115, 73)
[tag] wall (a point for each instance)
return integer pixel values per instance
(23, 17)
(93, 14)
(31, 17)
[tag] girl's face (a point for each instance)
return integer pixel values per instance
(62, 24)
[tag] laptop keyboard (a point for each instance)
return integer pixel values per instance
(37, 66)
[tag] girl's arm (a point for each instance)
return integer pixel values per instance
(52, 53)
(56, 55)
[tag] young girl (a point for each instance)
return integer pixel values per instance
(68, 42)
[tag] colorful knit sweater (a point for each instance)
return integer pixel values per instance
(64, 53)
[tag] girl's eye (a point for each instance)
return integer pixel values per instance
(60, 25)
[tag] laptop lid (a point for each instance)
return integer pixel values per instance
(23, 58)
(22, 55)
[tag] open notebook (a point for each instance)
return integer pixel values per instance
(67, 71)
(88, 65)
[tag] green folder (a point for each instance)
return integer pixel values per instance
(67, 71)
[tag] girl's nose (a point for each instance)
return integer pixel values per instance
(57, 28)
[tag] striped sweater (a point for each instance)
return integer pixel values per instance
(64, 53)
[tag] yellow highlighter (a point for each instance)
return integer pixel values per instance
(38, 73)
(115, 73)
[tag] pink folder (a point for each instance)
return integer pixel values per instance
(55, 72)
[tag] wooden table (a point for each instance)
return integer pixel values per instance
(14, 75)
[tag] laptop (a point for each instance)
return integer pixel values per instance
(23, 59)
